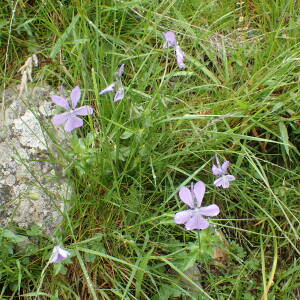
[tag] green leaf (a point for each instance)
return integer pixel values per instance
(141, 272)
(166, 292)
(15, 238)
(59, 44)
(285, 137)
(185, 260)
(34, 231)
(59, 268)
(89, 257)
(202, 68)
(126, 135)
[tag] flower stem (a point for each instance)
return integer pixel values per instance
(199, 241)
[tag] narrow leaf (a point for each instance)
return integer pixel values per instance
(285, 137)
(57, 47)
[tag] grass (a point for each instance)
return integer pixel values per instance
(238, 97)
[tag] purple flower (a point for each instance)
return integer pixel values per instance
(171, 42)
(116, 86)
(221, 171)
(69, 118)
(194, 218)
(170, 39)
(58, 255)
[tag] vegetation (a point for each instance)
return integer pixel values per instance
(238, 97)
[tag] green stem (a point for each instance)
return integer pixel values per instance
(199, 241)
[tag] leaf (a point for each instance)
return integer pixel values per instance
(185, 260)
(166, 292)
(15, 238)
(126, 135)
(57, 47)
(35, 294)
(34, 231)
(3, 23)
(141, 272)
(59, 268)
(207, 72)
(89, 257)
(285, 137)
(176, 74)
(242, 104)
(125, 4)
(90, 138)
(78, 145)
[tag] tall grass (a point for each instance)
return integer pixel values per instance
(238, 97)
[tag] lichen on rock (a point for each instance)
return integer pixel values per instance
(31, 192)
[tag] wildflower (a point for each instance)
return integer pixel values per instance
(69, 118)
(171, 42)
(58, 255)
(221, 171)
(116, 86)
(194, 218)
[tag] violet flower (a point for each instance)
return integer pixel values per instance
(171, 42)
(221, 171)
(69, 118)
(116, 86)
(58, 255)
(194, 218)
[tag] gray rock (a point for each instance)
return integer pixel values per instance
(32, 190)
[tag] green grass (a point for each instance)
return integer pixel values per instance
(238, 97)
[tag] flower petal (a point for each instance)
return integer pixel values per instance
(75, 96)
(108, 89)
(210, 210)
(61, 101)
(180, 55)
(58, 255)
(222, 181)
(196, 222)
(61, 118)
(216, 171)
(230, 177)
(60, 258)
(170, 39)
(73, 123)
(63, 252)
(83, 110)
(199, 191)
(53, 258)
(119, 94)
(121, 70)
(186, 196)
(183, 216)
(225, 166)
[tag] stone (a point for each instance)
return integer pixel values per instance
(32, 189)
